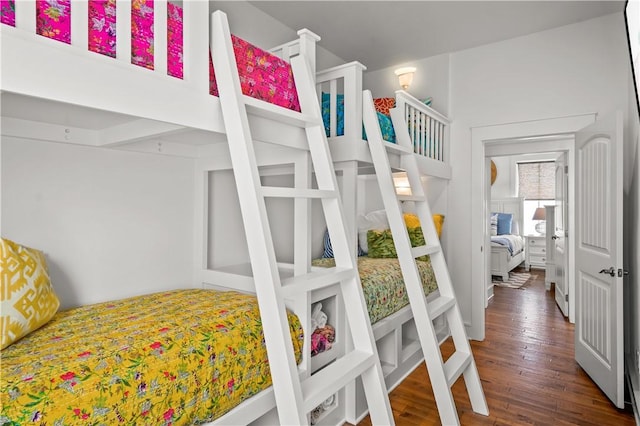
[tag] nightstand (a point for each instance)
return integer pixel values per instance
(535, 252)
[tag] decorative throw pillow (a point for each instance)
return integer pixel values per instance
(326, 113)
(494, 223)
(386, 127)
(328, 250)
(504, 223)
(376, 219)
(412, 221)
(438, 220)
(28, 300)
(262, 75)
(381, 245)
(383, 105)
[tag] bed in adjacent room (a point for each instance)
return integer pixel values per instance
(507, 243)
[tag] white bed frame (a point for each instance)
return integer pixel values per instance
(151, 112)
(155, 113)
(396, 336)
(501, 261)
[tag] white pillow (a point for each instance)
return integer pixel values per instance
(376, 219)
(515, 228)
(494, 224)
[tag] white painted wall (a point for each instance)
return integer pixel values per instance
(632, 241)
(575, 69)
(505, 183)
(431, 79)
(255, 26)
(113, 224)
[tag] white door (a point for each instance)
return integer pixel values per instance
(558, 237)
(599, 331)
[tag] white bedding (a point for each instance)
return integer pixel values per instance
(515, 242)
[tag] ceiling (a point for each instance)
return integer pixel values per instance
(383, 34)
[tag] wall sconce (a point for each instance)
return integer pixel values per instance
(405, 76)
(401, 183)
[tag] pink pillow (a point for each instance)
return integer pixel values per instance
(262, 75)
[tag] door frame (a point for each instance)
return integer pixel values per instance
(503, 138)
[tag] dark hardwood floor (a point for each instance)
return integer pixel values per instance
(527, 369)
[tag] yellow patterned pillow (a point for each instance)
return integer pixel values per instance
(412, 221)
(27, 299)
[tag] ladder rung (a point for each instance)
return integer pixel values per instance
(394, 147)
(278, 113)
(334, 377)
(455, 366)
(440, 305)
(316, 279)
(411, 198)
(425, 250)
(274, 191)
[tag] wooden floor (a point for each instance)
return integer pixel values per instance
(527, 369)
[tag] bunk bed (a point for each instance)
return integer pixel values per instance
(64, 56)
(339, 91)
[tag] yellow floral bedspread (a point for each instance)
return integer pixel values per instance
(178, 357)
(383, 285)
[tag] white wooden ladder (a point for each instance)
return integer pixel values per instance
(442, 374)
(296, 394)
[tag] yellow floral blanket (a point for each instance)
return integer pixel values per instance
(178, 357)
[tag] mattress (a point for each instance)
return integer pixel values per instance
(513, 243)
(383, 285)
(178, 357)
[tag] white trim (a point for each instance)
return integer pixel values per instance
(481, 137)
(633, 387)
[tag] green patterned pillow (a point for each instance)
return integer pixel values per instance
(381, 242)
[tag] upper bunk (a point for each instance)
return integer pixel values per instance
(133, 76)
(340, 94)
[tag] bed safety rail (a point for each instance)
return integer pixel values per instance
(149, 60)
(428, 129)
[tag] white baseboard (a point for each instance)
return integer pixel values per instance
(633, 383)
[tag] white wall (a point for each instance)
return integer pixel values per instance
(112, 223)
(632, 230)
(505, 183)
(431, 79)
(569, 70)
(255, 26)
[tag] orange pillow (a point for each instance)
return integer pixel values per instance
(383, 105)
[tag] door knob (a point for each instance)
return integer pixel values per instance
(555, 237)
(609, 271)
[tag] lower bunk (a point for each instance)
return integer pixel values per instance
(192, 356)
(392, 323)
(176, 357)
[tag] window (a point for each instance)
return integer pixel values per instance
(537, 184)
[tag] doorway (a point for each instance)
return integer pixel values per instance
(595, 155)
(524, 195)
(507, 139)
